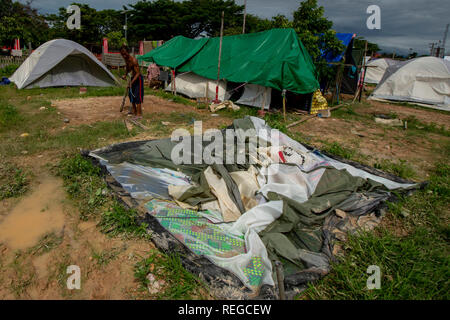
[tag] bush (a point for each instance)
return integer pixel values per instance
(8, 70)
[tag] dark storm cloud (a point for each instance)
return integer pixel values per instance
(404, 23)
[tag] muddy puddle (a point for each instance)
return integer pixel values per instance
(37, 214)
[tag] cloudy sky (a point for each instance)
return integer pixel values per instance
(405, 24)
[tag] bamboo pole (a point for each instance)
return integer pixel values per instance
(174, 83)
(310, 117)
(364, 75)
(337, 85)
(220, 57)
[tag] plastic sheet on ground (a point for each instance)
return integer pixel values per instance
(290, 207)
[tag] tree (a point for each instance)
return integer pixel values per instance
(164, 19)
(116, 39)
(316, 35)
(94, 24)
(21, 21)
(360, 43)
(158, 20)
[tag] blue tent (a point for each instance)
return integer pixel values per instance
(346, 39)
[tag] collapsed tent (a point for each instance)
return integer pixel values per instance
(59, 63)
(274, 59)
(255, 197)
(424, 81)
(376, 69)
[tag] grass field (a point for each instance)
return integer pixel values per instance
(411, 246)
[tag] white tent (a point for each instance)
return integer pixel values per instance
(422, 80)
(256, 96)
(62, 62)
(376, 69)
(194, 86)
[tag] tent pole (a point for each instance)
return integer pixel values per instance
(364, 75)
(220, 57)
(174, 87)
(264, 99)
(284, 103)
(337, 85)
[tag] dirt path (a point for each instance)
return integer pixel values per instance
(42, 234)
(90, 110)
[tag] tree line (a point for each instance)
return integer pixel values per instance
(162, 20)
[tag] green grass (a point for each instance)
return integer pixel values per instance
(340, 151)
(24, 274)
(104, 257)
(242, 112)
(276, 121)
(61, 92)
(415, 124)
(45, 128)
(401, 168)
(84, 185)
(47, 243)
(120, 221)
(179, 283)
(349, 112)
(14, 181)
(8, 70)
(9, 116)
(412, 251)
(169, 96)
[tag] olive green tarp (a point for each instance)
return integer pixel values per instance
(274, 58)
(303, 237)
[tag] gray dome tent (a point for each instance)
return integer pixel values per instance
(424, 81)
(377, 68)
(62, 62)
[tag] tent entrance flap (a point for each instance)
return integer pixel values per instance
(256, 96)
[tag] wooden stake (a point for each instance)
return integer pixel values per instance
(264, 99)
(337, 85)
(220, 57)
(174, 86)
(364, 75)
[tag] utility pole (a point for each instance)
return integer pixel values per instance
(125, 27)
(445, 39)
(245, 15)
(432, 49)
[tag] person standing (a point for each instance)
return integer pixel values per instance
(153, 74)
(136, 86)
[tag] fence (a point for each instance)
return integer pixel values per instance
(7, 60)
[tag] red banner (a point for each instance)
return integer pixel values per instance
(105, 45)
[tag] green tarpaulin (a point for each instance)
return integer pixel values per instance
(274, 58)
